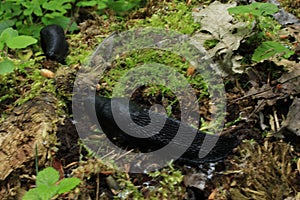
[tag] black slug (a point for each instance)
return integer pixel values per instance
(162, 137)
(54, 44)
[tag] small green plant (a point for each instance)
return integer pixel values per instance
(129, 191)
(167, 185)
(258, 14)
(256, 9)
(48, 185)
(170, 181)
(118, 6)
(209, 44)
(175, 15)
(269, 49)
(29, 16)
(10, 38)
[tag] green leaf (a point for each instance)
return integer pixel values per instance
(27, 29)
(269, 49)
(8, 34)
(32, 194)
(28, 12)
(33, 6)
(46, 192)
(67, 185)
(10, 10)
(86, 3)
(20, 42)
(264, 8)
(52, 15)
(4, 24)
(46, 187)
(62, 21)
(41, 193)
(52, 5)
(122, 6)
(101, 5)
(61, 6)
(258, 9)
(47, 177)
(6, 66)
(240, 10)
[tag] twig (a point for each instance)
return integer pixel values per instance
(249, 95)
(254, 111)
(271, 88)
(98, 185)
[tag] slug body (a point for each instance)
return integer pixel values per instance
(54, 44)
(147, 142)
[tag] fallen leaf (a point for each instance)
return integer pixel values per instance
(47, 73)
(190, 71)
(269, 95)
(217, 24)
(293, 117)
(212, 195)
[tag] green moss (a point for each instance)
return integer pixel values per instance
(291, 6)
(209, 44)
(175, 15)
(129, 190)
(24, 83)
(168, 185)
(125, 65)
(79, 50)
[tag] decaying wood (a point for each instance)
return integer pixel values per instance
(28, 126)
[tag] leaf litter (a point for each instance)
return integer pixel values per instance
(258, 170)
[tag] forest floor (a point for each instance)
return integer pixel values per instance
(38, 130)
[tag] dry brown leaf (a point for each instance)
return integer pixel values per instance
(190, 71)
(293, 118)
(217, 24)
(212, 195)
